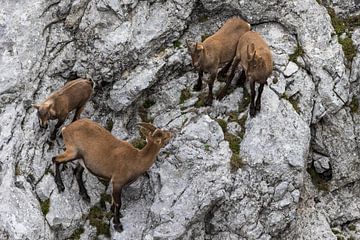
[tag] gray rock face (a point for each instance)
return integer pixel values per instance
(293, 170)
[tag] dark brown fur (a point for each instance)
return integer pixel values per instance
(59, 104)
(217, 50)
(108, 157)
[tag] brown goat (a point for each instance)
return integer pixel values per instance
(59, 104)
(108, 157)
(217, 50)
(254, 56)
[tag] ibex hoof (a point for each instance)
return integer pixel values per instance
(252, 112)
(118, 227)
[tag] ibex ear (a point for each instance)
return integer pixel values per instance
(199, 46)
(37, 106)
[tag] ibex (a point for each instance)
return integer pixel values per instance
(108, 157)
(59, 104)
(215, 51)
(254, 56)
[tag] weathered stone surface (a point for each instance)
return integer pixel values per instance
(136, 53)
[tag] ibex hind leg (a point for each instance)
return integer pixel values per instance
(78, 112)
(82, 190)
(116, 194)
(258, 99)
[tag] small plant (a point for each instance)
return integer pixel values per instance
(354, 105)
(236, 162)
(185, 95)
(352, 227)
(294, 102)
(177, 44)
(203, 18)
(348, 48)
(96, 217)
(201, 101)
(203, 37)
(234, 142)
(76, 234)
(207, 147)
(45, 206)
(223, 124)
(299, 51)
(105, 198)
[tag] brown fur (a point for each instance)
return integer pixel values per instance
(108, 157)
(217, 50)
(59, 104)
(254, 56)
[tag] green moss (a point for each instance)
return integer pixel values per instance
(138, 143)
(299, 51)
(294, 102)
(207, 147)
(352, 227)
(242, 122)
(335, 231)
(245, 101)
(185, 95)
(203, 18)
(105, 198)
(177, 44)
(148, 103)
(344, 26)
(201, 100)
(340, 237)
(18, 171)
(45, 206)
(236, 162)
(354, 105)
(109, 124)
(349, 48)
(234, 142)
(76, 234)
(233, 116)
(97, 217)
(316, 179)
(223, 124)
(338, 23)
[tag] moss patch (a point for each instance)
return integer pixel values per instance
(207, 147)
(177, 44)
(317, 180)
(343, 28)
(138, 143)
(97, 218)
(299, 51)
(76, 234)
(105, 198)
(234, 142)
(45, 206)
(294, 101)
(185, 95)
(201, 100)
(352, 227)
(223, 124)
(354, 105)
(203, 18)
(236, 162)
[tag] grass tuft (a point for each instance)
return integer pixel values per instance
(354, 105)
(45, 206)
(299, 51)
(96, 217)
(138, 143)
(185, 95)
(76, 234)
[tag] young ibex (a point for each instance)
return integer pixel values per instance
(254, 56)
(59, 104)
(217, 50)
(108, 157)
